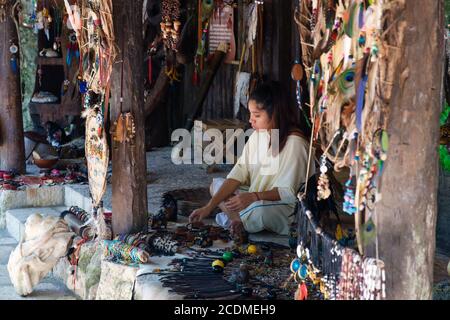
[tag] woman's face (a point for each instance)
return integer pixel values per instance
(259, 119)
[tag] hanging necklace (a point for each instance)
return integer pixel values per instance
(323, 185)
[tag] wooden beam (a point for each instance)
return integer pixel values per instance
(12, 150)
(129, 186)
(157, 93)
(412, 71)
(208, 77)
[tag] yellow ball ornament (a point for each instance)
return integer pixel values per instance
(252, 249)
(218, 263)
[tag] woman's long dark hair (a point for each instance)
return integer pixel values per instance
(270, 97)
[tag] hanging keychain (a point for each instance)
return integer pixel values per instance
(13, 49)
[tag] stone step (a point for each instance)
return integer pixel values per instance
(16, 218)
(78, 195)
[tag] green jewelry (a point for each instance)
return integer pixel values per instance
(443, 151)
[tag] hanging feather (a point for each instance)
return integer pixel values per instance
(13, 63)
(345, 82)
(207, 9)
(302, 17)
(13, 49)
(369, 232)
(69, 57)
(361, 16)
(349, 19)
(360, 102)
(150, 71)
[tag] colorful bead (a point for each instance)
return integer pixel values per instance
(252, 249)
(303, 271)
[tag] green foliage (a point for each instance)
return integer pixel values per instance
(29, 52)
(447, 12)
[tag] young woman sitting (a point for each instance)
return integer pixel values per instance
(270, 172)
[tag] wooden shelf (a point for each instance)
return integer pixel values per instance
(50, 61)
(37, 104)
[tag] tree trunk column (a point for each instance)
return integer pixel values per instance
(12, 150)
(408, 209)
(129, 185)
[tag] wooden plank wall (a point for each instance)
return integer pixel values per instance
(278, 55)
(276, 60)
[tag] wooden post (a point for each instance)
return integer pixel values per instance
(129, 186)
(414, 51)
(12, 150)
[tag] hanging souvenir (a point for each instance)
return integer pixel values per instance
(92, 41)
(46, 20)
(74, 17)
(369, 232)
(65, 87)
(72, 49)
(323, 185)
(40, 73)
(13, 49)
(124, 129)
(57, 29)
(221, 29)
(2, 11)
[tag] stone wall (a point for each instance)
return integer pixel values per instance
(29, 53)
(30, 198)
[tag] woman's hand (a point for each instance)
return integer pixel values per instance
(241, 201)
(199, 214)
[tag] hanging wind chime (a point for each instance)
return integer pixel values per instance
(170, 30)
(92, 41)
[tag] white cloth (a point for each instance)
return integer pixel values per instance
(223, 220)
(45, 241)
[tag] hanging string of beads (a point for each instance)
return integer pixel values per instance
(374, 280)
(80, 213)
(170, 25)
(323, 185)
(351, 279)
(164, 245)
(57, 28)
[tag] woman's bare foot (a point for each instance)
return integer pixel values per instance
(238, 232)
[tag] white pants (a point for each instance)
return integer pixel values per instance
(274, 216)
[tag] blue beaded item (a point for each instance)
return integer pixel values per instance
(349, 198)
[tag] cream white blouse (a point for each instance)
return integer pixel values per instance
(261, 171)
